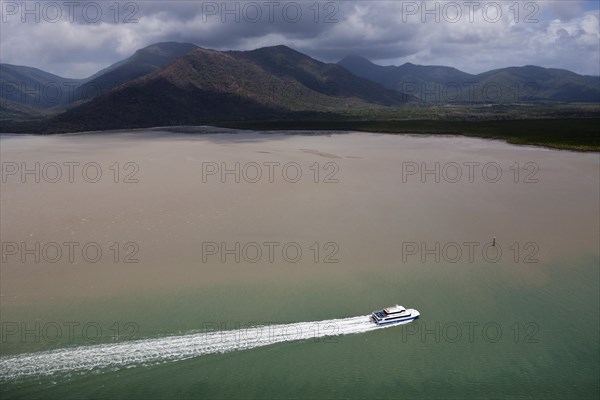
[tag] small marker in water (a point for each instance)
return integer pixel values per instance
(494, 241)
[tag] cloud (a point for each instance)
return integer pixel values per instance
(579, 37)
(561, 34)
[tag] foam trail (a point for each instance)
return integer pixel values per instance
(172, 348)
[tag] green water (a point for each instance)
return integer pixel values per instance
(547, 348)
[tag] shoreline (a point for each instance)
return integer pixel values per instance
(413, 127)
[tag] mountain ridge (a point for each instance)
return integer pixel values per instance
(171, 83)
(56, 93)
(206, 85)
(527, 83)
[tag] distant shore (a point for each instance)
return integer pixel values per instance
(564, 134)
(574, 134)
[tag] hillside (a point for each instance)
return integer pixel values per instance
(182, 84)
(439, 84)
(142, 62)
(33, 92)
(208, 85)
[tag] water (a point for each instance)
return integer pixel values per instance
(183, 324)
(175, 348)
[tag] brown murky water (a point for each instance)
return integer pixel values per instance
(163, 209)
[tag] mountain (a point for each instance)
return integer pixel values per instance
(208, 85)
(34, 91)
(551, 84)
(142, 62)
(392, 76)
(180, 83)
(507, 85)
(327, 79)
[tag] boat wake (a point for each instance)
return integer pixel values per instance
(172, 348)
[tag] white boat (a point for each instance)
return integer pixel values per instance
(394, 315)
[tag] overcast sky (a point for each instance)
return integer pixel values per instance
(77, 39)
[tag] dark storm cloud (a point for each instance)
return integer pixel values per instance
(557, 34)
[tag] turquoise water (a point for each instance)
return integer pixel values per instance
(547, 347)
(487, 330)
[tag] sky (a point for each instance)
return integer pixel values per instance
(75, 39)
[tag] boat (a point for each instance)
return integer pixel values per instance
(394, 315)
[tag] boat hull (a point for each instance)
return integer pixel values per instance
(397, 322)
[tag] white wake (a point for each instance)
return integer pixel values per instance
(172, 348)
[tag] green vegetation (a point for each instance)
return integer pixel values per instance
(568, 134)
(559, 126)
(569, 127)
